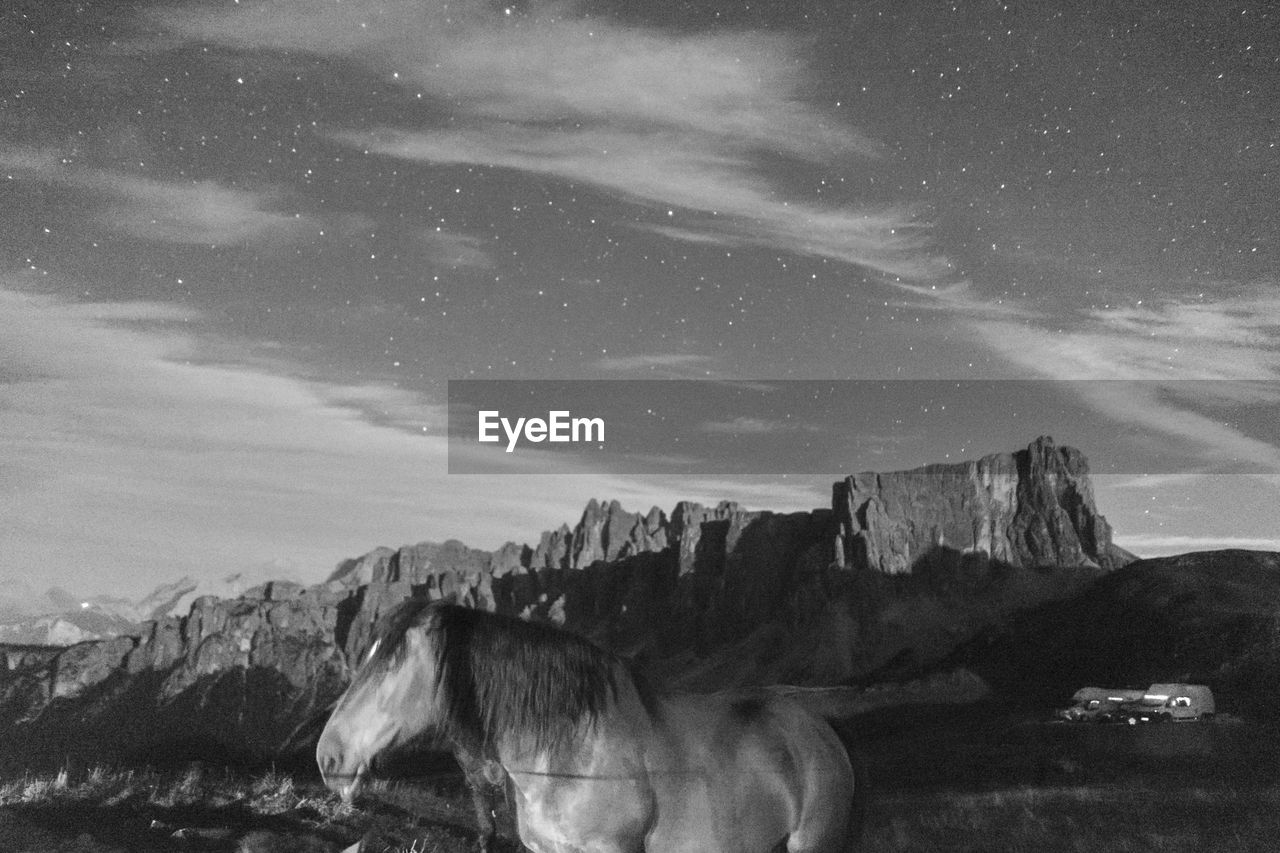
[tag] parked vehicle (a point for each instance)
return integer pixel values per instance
(1095, 703)
(1164, 703)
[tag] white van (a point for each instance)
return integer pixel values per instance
(1178, 703)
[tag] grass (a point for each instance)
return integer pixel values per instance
(950, 786)
(1078, 819)
(110, 810)
(270, 793)
(987, 781)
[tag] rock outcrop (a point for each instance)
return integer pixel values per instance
(235, 678)
(898, 573)
(1030, 508)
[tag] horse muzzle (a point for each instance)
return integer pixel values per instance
(343, 782)
(346, 785)
(351, 788)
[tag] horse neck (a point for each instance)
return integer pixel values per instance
(618, 734)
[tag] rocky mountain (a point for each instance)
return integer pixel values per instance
(60, 618)
(898, 574)
(65, 629)
(175, 598)
(1032, 508)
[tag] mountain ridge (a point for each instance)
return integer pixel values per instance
(707, 596)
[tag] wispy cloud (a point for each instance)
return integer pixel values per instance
(708, 185)
(452, 249)
(667, 362)
(190, 212)
(444, 246)
(123, 450)
(682, 124)
(1231, 340)
(1232, 337)
(743, 425)
(126, 450)
(387, 406)
(1157, 546)
(203, 212)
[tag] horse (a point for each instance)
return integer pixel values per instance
(594, 760)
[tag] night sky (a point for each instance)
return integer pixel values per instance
(244, 246)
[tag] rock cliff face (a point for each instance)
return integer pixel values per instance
(234, 678)
(1030, 508)
(901, 570)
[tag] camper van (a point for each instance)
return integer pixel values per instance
(1095, 703)
(1178, 703)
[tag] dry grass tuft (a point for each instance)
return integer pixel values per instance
(274, 793)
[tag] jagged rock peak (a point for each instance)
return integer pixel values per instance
(1034, 507)
(359, 571)
(605, 532)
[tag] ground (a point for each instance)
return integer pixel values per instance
(972, 779)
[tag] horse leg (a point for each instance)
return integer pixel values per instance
(482, 802)
(482, 775)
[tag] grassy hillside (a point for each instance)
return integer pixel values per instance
(1211, 617)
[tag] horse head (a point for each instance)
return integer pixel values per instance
(392, 698)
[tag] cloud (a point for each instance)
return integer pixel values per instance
(669, 362)
(1161, 348)
(1232, 337)
(1157, 545)
(387, 406)
(1166, 344)
(127, 456)
(688, 367)
(714, 192)
(188, 212)
(1147, 482)
(202, 212)
(743, 425)
(131, 459)
(456, 250)
(1211, 338)
(683, 124)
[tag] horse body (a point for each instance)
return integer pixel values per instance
(596, 764)
(593, 795)
(746, 770)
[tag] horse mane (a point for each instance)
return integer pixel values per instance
(502, 675)
(388, 634)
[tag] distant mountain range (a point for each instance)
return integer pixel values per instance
(893, 577)
(61, 618)
(1001, 568)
